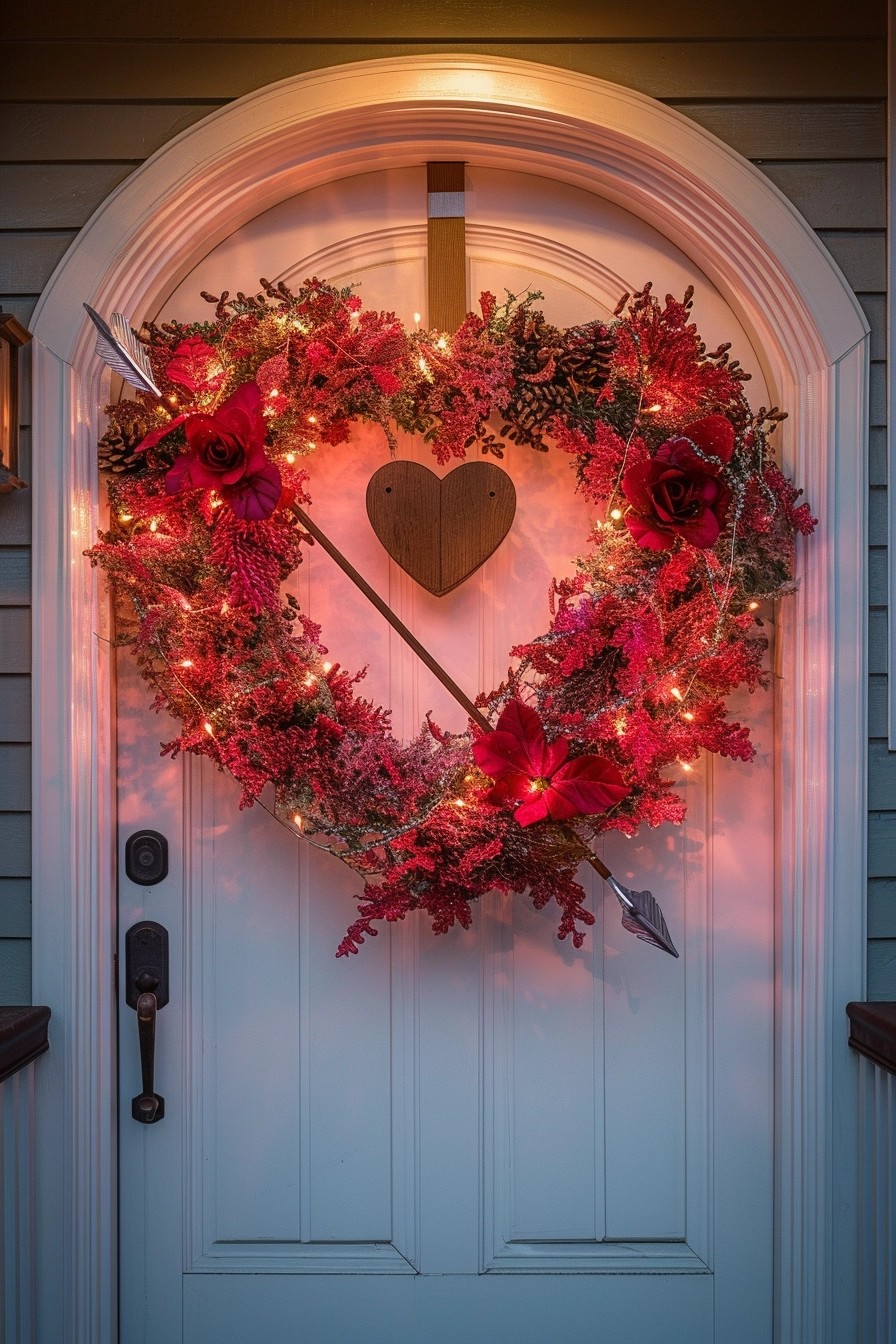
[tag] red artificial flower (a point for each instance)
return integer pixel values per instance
(534, 772)
(159, 433)
(677, 492)
(226, 453)
(196, 366)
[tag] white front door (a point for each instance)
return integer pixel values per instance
(485, 1136)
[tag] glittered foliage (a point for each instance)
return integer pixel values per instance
(694, 532)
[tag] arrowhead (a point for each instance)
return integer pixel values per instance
(642, 916)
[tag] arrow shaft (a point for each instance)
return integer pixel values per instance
(386, 611)
(423, 654)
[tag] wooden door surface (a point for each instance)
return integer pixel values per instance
(485, 1136)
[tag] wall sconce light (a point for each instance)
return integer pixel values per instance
(12, 336)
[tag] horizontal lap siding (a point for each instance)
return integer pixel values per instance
(449, 20)
(881, 762)
(159, 70)
(15, 734)
(797, 88)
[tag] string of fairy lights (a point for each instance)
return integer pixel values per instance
(694, 535)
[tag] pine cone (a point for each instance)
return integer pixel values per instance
(117, 449)
(577, 362)
(586, 358)
(528, 414)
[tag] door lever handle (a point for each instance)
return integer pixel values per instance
(146, 952)
(149, 1106)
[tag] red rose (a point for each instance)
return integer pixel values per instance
(226, 453)
(678, 492)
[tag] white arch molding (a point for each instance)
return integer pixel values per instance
(798, 312)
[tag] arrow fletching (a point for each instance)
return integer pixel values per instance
(642, 916)
(118, 345)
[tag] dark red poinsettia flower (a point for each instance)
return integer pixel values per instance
(677, 492)
(535, 773)
(226, 453)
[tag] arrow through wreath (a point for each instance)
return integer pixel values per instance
(695, 530)
(641, 912)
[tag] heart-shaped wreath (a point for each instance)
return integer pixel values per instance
(695, 529)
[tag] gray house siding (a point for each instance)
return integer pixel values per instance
(798, 89)
(15, 736)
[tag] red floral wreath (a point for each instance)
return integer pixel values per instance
(695, 530)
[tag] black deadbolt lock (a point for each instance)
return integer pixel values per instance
(146, 858)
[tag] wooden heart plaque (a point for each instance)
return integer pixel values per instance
(440, 530)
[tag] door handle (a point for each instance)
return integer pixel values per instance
(146, 991)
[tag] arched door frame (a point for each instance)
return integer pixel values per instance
(800, 314)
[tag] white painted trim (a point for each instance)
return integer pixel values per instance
(877, 1223)
(341, 261)
(73, 905)
(17, 1222)
(798, 312)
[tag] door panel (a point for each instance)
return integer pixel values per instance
(281, 1153)
(487, 1134)
(505, 1308)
